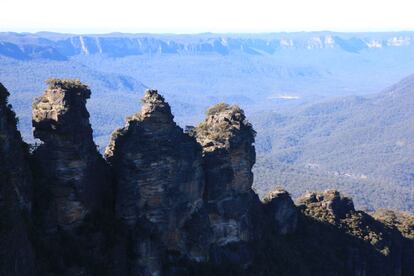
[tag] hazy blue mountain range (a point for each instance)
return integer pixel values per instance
(310, 96)
(362, 144)
(62, 46)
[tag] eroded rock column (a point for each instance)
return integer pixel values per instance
(159, 185)
(228, 153)
(73, 189)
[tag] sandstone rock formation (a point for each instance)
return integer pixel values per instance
(73, 187)
(280, 211)
(16, 252)
(159, 183)
(228, 153)
(183, 202)
(332, 201)
(404, 223)
(370, 247)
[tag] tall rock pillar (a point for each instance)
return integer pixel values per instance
(159, 186)
(73, 189)
(229, 155)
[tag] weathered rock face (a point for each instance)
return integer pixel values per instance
(370, 247)
(159, 182)
(183, 201)
(228, 153)
(227, 140)
(404, 223)
(73, 184)
(16, 252)
(280, 211)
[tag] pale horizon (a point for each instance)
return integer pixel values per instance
(190, 17)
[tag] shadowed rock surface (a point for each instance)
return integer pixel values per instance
(281, 211)
(404, 223)
(16, 252)
(369, 246)
(73, 187)
(159, 183)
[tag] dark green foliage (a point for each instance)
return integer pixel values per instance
(230, 119)
(67, 84)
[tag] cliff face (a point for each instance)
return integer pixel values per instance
(171, 202)
(228, 155)
(403, 223)
(16, 252)
(280, 212)
(72, 188)
(370, 247)
(159, 184)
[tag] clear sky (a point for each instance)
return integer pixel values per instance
(193, 16)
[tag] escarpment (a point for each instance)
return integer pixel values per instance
(16, 251)
(169, 202)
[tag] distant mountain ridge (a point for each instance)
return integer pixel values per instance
(54, 46)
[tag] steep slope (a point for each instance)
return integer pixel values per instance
(363, 146)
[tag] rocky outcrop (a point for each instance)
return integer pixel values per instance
(337, 205)
(73, 188)
(370, 247)
(228, 154)
(159, 185)
(404, 223)
(16, 252)
(280, 211)
(183, 202)
(227, 139)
